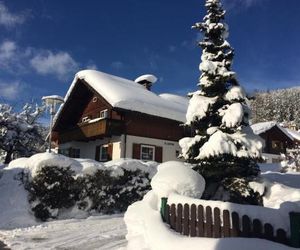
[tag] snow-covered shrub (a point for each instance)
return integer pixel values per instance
(111, 193)
(52, 188)
(291, 162)
(60, 187)
(98, 188)
(238, 190)
(132, 186)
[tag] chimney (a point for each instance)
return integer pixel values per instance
(146, 81)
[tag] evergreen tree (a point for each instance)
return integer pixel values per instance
(222, 146)
(278, 105)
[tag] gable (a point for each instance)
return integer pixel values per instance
(80, 103)
(276, 134)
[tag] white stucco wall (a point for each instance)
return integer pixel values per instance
(272, 158)
(169, 147)
(88, 149)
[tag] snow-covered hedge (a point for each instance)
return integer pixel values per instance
(58, 184)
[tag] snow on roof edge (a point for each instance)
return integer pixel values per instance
(262, 127)
(167, 114)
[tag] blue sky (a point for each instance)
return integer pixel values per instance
(43, 43)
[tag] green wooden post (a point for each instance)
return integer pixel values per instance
(164, 202)
(295, 229)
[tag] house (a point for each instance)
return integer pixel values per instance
(106, 117)
(277, 139)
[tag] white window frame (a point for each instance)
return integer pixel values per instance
(100, 153)
(85, 119)
(104, 114)
(141, 152)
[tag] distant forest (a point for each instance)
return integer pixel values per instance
(279, 105)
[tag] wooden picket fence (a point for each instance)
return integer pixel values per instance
(198, 221)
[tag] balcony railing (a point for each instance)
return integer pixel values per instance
(92, 130)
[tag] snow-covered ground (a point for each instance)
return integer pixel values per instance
(144, 229)
(147, 231)
(96, 232)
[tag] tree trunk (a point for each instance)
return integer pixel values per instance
(8, 157)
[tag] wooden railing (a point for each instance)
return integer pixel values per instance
(197, 221)
(105, 127)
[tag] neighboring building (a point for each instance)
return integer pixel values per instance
(277, 139)
(105, 117)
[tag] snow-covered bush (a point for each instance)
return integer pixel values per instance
(291, 162)
(109, 193)
(52, 188)
(58, 184)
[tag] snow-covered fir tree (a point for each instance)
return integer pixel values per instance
(20, 133)
(222, 146)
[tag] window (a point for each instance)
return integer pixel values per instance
(70, 152)
(85, 119)
(277, 145)
(64, 151)
(104, 114)
(147, 153)
(103, 153)
(95, 99)
(74, 153)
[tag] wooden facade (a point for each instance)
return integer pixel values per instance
(80, 120)
(276, 141)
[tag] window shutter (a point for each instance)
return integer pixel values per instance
(97, 154)
(110, 151)
(136, 151)
(158, 154)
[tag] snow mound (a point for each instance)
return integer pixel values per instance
(81, 167)
(177, 177)
(148, 77)
(36, 162)
(118, 166)
(14, 206)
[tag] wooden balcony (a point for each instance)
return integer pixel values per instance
(94, 130)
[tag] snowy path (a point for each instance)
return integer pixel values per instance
(98, 232)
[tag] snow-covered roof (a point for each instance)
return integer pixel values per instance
(294, 134)
(262, 127)
(128, 95)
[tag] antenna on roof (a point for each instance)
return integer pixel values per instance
(146, 80)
